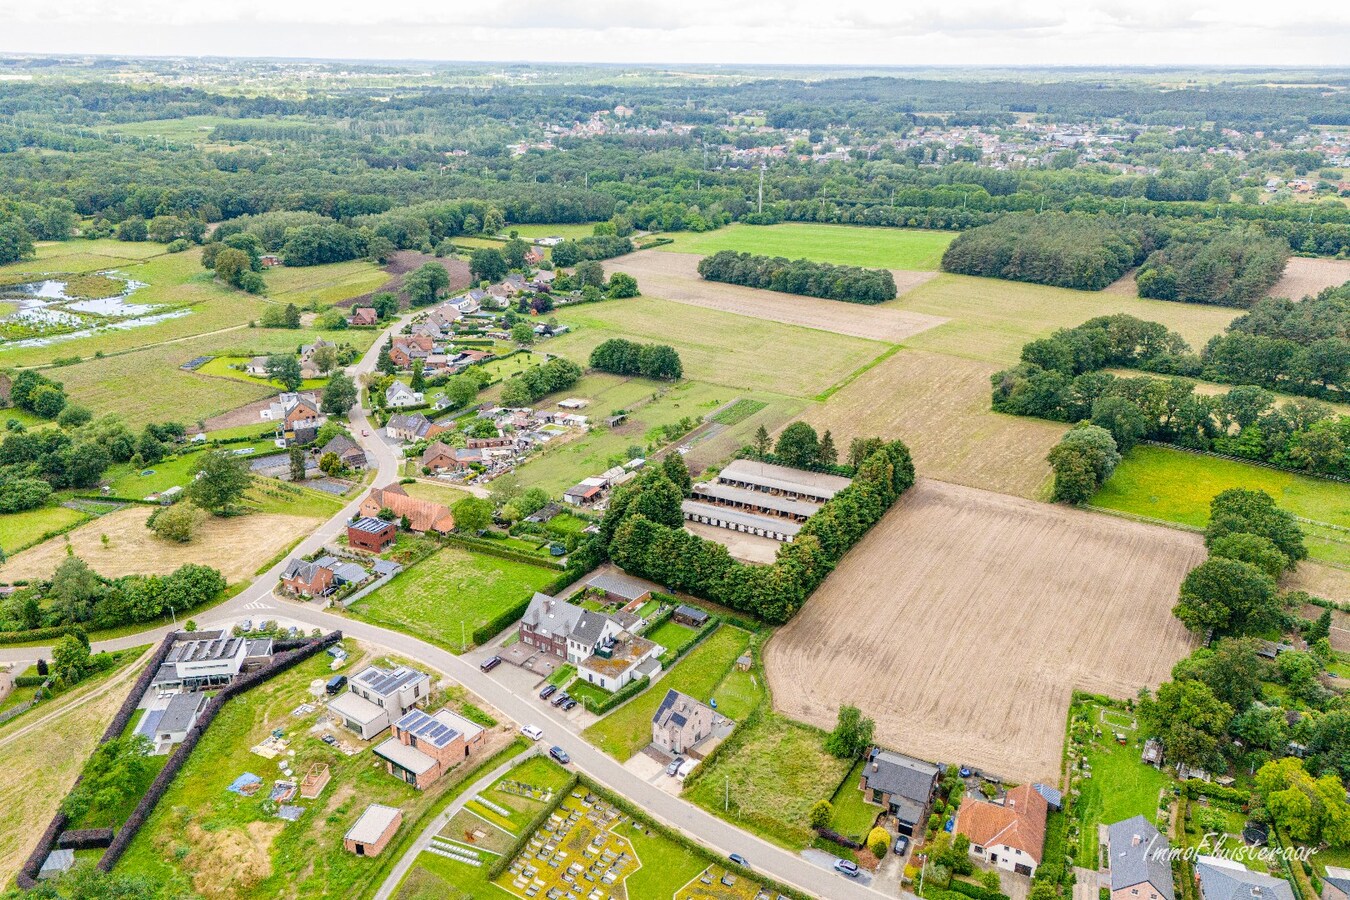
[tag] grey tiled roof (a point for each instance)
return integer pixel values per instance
(1227, 880)
(901, 776)
(589, 627)
(620, 585)
(1139, 855)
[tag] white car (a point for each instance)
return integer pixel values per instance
(532, 732)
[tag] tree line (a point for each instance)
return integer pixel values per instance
(1233, 268)
(557, 374)
(643, 532)
(1060, 378)
(623, 357)
(851, 284)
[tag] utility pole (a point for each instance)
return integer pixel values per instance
(463, 636)
(762, 167)
(726, 800)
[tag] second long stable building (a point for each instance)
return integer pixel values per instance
(761, 498)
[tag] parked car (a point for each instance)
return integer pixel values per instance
(739, 860)
(846, 867)
(548, 691)
(560, 699)
(674, 766)
(559, 754)
(901, 844)
(246, 625)
(329, 740)
(490, 663)
(532, 732)
(336, 684)
(570, 704)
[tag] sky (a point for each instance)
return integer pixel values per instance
(814, 32)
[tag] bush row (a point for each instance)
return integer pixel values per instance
(128, 709)
(491, 548)
(85, 839)
(628, 691)
(31, 680)
(977, 891)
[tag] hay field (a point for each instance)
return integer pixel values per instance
(965, 619)
(720, 347)
(939, 406)
(1305, 276)
(992, 319)
(674, 277)
(235, 546)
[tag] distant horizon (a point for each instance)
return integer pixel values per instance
(853, 33)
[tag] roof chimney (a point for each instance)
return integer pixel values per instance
(1136, 840)
(874, 765)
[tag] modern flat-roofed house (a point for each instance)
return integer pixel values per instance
(377, 697)
(617, 660)
(373, 830)
(425, 746)
(1139, 859)
(210, 661)
(1009, 835)
(681, 722)
(372, 534)
(1225, 879)
(901, 784)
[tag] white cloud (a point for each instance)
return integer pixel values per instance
(924, 32)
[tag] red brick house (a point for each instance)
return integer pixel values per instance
(363, 316)
(373, 831)
(307, 579)
(372, 534)
(425, 745)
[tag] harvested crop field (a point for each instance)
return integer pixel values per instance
(674, 276)
(963, 622)
(939, 405)
(1304, 276)
(235, 546)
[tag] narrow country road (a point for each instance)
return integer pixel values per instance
(257, 600)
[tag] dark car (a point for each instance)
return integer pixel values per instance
(329, 740)
(739, 860)
(490, 663)
(846, 867)
(901, 844)
(570, 704)
(336, 684)
(548, 691)
(560, 699)
(559, 754)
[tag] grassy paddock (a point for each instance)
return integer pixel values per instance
(23, 529)
(852, 245)
(446, 596)
(1176, 486)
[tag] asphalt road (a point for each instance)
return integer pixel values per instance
(715, 834)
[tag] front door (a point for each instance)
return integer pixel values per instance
(1021, 869)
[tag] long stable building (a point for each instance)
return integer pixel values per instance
(762, 499)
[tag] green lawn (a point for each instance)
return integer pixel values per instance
(739, 693)
(1121, 786)
(581, 690)
(24, 529)
(449, 594)
(1177, 487)
(853, 816)
(440, 493)
(233, 367)
(628, 729)
(671, 634)
(851, 245)
(568, 231)
(769, 778)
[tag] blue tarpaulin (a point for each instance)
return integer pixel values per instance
(245, 784)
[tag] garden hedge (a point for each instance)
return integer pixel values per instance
(37, 634)
(629, 690)
(85, 839)
(978, 892)
(31, 680)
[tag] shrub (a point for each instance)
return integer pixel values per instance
(878, 842)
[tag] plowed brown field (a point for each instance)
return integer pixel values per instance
(965, 619)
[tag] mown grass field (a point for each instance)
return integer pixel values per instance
(853, 245)
(1177, 487)
(769, 780)
(853, 815)
(721, 348)
(21, 529)
(1122, 786)
(568, 230)
(232, 367)
(313, 287)
(446, 596)
(993, 319)
(628, 729)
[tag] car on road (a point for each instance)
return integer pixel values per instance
(739, 860)
(560, 699)
(674, 766)
(901, 844)
(532, 732)
(569, 704)
(548, 691)
(490, 663)
(846, 867)
(559, 754)
(365, 432)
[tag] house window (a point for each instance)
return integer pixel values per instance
(877, 796)
(1134, 891)
(978, 849)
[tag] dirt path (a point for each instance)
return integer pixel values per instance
(77, 701)
(965, 619)
(674, 277)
